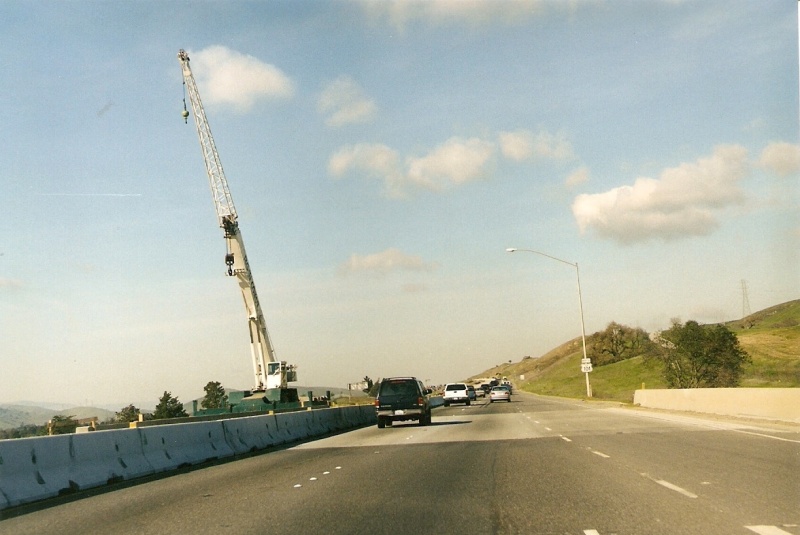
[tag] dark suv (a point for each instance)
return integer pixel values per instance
(402, 398)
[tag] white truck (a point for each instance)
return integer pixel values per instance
(455, 393)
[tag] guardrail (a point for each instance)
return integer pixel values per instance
(33, 469)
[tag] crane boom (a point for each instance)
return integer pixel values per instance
(269, 373)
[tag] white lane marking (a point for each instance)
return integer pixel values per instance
(671, 486)
(326, 472)
(591, 532)
(676, 488)
(767, 530)
(765, 436)
(601, 454)
(565, 438)
(547, 428)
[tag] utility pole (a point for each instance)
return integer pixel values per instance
(745, 300)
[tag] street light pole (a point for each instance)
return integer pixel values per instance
(585, 360)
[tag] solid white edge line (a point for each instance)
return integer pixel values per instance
(767, 530)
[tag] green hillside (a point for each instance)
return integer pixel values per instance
(771, 337)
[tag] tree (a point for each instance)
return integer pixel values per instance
(127, 414)
(61, 425)
(168, 407)
(368, 382)
(618, 342)
(698, 356)
(215, 398)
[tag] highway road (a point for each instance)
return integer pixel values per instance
(536, 465)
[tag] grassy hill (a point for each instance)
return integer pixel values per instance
(771, 337)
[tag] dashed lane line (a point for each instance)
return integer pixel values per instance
(671, 486)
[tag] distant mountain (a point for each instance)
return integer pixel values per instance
(39, 405)
(15, 415)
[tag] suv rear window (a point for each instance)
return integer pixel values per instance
(399, 388)
(456, 387)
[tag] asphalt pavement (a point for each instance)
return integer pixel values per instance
(536, 465)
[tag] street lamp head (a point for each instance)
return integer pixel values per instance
(511, 250)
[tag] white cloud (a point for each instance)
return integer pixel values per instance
(517, 145)
(781, 158)
(344, 102)
(522, 144)
(10, 283)
(455, 162)
(384, 262)
(372, 160)
(230, 77)
(683, 201)
(578, 176)
(440, 12)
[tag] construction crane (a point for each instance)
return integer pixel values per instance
(271, 375)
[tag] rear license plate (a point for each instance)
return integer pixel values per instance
(400, 412)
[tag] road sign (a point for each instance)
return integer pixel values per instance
(586, 365)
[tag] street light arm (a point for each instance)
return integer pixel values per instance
(514, 249)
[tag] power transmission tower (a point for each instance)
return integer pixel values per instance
(745, 300)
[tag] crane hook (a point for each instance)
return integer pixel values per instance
(185, 112)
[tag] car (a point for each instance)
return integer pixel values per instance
(479, 392)
(473, 396)
(499, 393)
(455, 393)
(401, 399)
(507, 384)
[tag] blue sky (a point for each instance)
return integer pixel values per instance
(382, 156)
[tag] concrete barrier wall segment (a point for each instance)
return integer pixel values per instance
(252, 433)
(172, 446)
(33, 469)
(781, 404)
(106, 456)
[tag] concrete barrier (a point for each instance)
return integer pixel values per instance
(252, 433)
(105, 456)
(33, 469)
(172, 446)
(781, 404)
